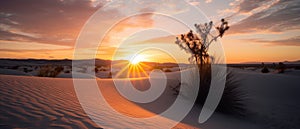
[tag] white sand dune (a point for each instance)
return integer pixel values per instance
(35, 102)
(273, 98)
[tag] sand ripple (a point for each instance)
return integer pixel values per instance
(31, 102)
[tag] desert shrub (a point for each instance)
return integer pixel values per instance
(176, 88)
(102, 69)
(234, 99)
(25, 70)
(96, 70)
(167, 70)
(265, 70)
(197, 44)
(281, 67)
(109, 75)
(49, 71)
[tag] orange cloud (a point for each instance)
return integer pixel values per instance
(116, 34)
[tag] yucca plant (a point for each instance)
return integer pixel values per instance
(197, 44)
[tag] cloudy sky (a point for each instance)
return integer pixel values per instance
(261, 30)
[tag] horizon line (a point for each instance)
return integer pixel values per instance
(248, 62)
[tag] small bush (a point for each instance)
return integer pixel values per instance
(167, 70)
(265, 70)
(49, 71)
(103, 69)
(281, 67)
(109, 75)
(96, 70)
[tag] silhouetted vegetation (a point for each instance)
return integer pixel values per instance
(281, 67)
(167, 70)
(176, 88)
(96, 70)
(50, 71)
(264, 68)
(233, 99)
(197, 44)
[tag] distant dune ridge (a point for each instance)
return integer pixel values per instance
(82, 68)
(101, 68)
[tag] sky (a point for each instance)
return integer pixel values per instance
(260, 30)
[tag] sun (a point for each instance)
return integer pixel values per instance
(137, 59)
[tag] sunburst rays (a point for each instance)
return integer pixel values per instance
(130, 70)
